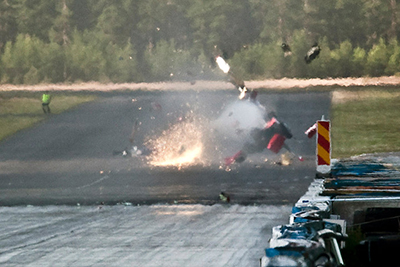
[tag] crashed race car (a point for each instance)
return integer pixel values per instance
(271, 137)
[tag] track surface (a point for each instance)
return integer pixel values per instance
(69, 158)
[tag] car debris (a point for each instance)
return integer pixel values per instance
(312, 53)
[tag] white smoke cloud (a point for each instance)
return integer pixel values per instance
(238, 119)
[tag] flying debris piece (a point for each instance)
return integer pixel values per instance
(224, 197)
(239, 157)
(123, 153)
(222, 64)
(312, 53)
(286, 49)
(243, 91)
(135, 151)
(239, 83)
(311, 131)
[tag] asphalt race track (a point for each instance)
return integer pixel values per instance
(75, 157)
(64, 176)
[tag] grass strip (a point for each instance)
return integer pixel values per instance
(22, 111)
(369, 123)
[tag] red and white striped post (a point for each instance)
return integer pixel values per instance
(323, 149)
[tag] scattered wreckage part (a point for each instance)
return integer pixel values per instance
(310, 132)
(229, 161)
(312, 53)
(222, 64)
(276, 143)
(239, 83)
(224, 197)
(123, 153)
(243, 92)
(286, 49)
(239, 157)
(134, 152)
(285, 160)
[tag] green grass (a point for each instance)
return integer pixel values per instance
(368, 124)
(23, 110)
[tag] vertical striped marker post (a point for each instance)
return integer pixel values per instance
(323, 147)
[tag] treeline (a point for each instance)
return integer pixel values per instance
(156, 40)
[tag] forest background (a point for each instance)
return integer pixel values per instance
(65, 41)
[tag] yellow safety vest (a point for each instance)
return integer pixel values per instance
(46, 98)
